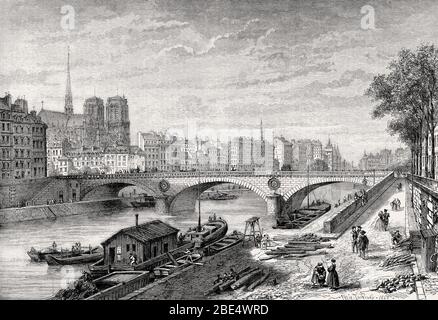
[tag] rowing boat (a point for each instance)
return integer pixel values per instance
(83, 258)
(225, 243)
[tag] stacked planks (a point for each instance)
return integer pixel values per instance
(296, 249)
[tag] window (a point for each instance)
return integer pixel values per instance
(166, 247)
(128, 248)
(133, 247)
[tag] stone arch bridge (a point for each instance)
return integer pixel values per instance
(177, 191)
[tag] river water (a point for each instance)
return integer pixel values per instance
(22, 279)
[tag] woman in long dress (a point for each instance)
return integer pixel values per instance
(380, 222)
(332, 278)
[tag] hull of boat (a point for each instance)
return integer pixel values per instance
(224, 243)
(137, 204)
(219, 233)
(80, 259)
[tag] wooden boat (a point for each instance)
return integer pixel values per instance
(81, 258)
(40, 255)
(218, 196)
(209, 232)
(224, 243)
(146, 201)
(177, 265)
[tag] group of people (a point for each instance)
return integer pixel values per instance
(382, 220)
(262, 241)
(322, 279)
(396, 204)
(76, 247)
(360, 241)
(360, 196)
(227, 276)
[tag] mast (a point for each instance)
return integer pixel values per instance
(199, 182)
(308, 178)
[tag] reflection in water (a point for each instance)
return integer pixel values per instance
(22, 279)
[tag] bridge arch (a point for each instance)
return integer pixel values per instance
(295, 196)
(111, 188)
(185, 199)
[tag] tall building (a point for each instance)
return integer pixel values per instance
(94, 122)
(283, 153)
(117, 117)
(23, 141)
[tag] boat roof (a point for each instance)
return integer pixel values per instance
(146, 231)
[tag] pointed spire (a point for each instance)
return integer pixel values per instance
(68, 106)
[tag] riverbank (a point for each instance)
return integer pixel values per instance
(358, 277)
(53, 211)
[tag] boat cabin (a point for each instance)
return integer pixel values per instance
(142, 241)
(198, 236)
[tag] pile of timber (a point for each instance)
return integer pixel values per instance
(405, 244)
(309, 237)
(296, 249)
(400, 282)
(403, 259)
(248, 278)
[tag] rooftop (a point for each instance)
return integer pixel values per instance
(147, 231)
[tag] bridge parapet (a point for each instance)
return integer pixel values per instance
(193, 174)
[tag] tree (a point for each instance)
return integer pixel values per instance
(319, 165)
(407, 94)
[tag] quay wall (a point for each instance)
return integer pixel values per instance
(345, 217)
(53, 211)
(18, 193)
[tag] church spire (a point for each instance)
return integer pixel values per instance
(68, 106)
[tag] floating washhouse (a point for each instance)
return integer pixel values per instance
(144, 241)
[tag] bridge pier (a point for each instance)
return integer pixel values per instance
(273, 205)
(162, 205)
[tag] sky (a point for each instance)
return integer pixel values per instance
(218, 66)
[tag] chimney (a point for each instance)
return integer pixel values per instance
(136, 219)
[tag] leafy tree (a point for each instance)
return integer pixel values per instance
(408, 94)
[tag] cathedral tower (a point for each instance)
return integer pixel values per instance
(117, 120)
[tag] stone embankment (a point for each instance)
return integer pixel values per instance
(12, 215)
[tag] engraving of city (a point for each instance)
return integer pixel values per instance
(228, 150)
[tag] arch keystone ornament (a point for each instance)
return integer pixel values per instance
(274, 183)
(164, 185)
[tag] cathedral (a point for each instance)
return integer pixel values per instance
(93, 128)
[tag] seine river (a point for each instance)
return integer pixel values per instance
(22, 279)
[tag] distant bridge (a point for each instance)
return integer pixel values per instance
(177, 191)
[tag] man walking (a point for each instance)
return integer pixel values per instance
(362, 243)
(354, 236)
